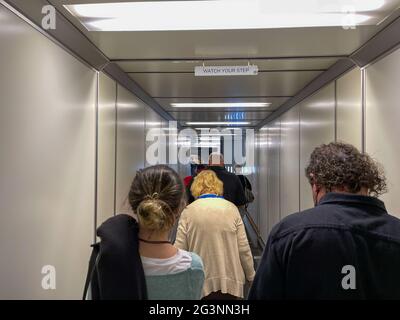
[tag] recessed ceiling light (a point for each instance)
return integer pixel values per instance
(237, 123)
(223, 14)
(221, 105)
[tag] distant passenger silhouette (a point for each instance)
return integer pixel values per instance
(246, 185)
(347, 247)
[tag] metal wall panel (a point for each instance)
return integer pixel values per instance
(164, 150)
(130, 142)
(317, 126)
(349, 108)
(152, 128)
(382, 122)
(47, 164)
(289, 162)
(273, 171)
(253, 207)
(106, 148)
(262, 182)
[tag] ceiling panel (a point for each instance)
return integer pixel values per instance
(263, 65)
(232, 43)
(287, 42)
(220, 115)
(187, 85)
(162, 62)
(275, 103)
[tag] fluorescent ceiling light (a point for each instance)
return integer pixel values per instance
(207, 145)
(222, 123)
(221, 105)
(223, 14)
(212, 139)
(219, 135)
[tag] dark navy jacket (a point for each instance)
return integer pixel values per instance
(233, 190)
(306, 252)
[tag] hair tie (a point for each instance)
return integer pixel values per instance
(154, 196)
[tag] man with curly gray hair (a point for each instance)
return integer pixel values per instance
(346, 247)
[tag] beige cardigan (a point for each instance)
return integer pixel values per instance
(213, 228)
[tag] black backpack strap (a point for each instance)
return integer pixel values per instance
(92, 266)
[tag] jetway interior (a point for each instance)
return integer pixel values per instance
(76, 106)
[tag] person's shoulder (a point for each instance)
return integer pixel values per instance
(232, 175)
(219, 203)
(389, 227)
(196, 268)
(192, 207)
(195, 208)
(228, 205)
(197, 262)
(392, 219)
(306, 219)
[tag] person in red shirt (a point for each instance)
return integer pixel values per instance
(187, 180)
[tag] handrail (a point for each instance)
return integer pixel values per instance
(255, 228)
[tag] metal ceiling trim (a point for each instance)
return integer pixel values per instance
(381, 43)
(334, 72)
(259, 71)
(201, 59)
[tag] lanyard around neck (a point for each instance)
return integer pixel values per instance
(209, 195)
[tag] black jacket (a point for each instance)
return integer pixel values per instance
(233, 190)
(306, 252)
(115, 268)
(245, 182)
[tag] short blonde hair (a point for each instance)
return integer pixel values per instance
(207, 182)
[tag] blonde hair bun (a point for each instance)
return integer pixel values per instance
(152, 215)
(157, 197)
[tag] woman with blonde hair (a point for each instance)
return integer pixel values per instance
(213, 228)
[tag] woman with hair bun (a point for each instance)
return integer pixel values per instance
(135, 259)
(157, 198)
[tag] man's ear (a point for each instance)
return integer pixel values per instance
(315, 188)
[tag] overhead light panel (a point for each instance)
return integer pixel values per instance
(221, 105)
(224, 14)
